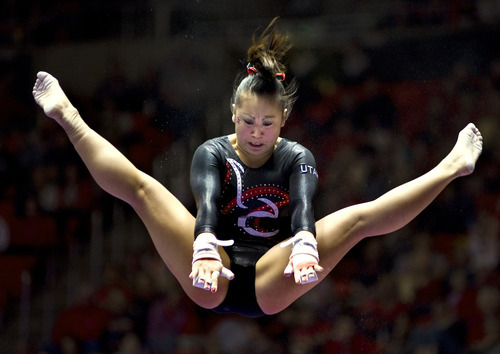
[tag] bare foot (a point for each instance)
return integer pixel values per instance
(49, 95)
(467, 149)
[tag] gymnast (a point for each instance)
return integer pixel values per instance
(254, 191)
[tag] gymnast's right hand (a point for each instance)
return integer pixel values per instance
(207, 264)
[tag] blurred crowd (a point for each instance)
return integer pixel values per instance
(432, 287)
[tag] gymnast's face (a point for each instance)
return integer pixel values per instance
(258, 121)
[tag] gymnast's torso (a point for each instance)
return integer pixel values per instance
(258, 207)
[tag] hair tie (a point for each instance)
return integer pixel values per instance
(281, 76)
(251, 70)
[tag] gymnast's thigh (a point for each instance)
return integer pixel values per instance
(171, 227)
(270, 281)
(336, 234)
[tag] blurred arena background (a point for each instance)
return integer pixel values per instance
(385, 86)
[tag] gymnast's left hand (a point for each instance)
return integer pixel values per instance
(304, 270)
(206, 272)
(303, 261)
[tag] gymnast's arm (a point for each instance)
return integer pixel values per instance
(206, 188)
(304, 256)
(303, 188)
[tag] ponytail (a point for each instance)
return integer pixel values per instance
(265, 70)
(268, 50)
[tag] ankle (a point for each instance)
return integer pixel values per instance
(451, 166)
(71, 122)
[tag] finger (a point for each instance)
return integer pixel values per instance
(205, 280)
(309, 276)
(202, 283)
(215, 281)
(199, 282)
(296, 273)
(306, 275)
(310, 272)
(318, 268)
(227, 273)
(194, 273)
(303, 274)
(288, 270)
(312, 276)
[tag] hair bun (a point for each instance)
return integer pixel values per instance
(267, 51)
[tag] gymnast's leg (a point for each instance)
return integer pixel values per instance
(338, 232)
(169, 223)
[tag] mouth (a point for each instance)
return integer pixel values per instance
(256, 145)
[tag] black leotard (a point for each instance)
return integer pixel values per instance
(256, 207)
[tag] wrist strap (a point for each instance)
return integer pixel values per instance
(206, 246)
(303, 244)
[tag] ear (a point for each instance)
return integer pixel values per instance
(233, 110)
(283, 119)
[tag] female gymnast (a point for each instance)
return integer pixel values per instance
(254, 190)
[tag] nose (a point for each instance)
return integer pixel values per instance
(257, 130)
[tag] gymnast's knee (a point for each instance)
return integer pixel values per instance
(206, 299)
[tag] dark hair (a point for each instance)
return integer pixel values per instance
(265, 55)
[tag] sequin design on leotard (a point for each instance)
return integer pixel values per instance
(268, 209)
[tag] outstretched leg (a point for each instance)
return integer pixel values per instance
(169, 223)
(338, 232)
